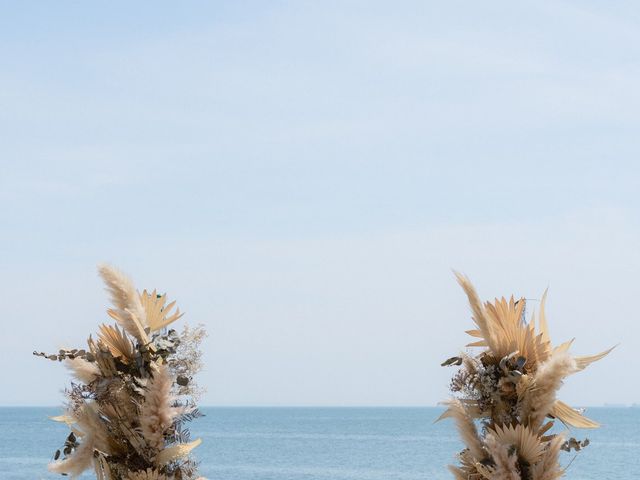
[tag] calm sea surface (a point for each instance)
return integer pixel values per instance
(324, 443)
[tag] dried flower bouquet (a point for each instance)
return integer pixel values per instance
(134, 392)
(505, 400)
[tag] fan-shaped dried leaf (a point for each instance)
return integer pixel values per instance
(148, 474)
(158, 314)
(117, 342)
(526, 442)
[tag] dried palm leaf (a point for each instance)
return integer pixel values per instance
(117, 342)
(526, 442)
(584, 362)
(570, 416)
(148, 474)
(502, 330)
(157, 314)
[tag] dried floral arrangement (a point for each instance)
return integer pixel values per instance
(134, 392)
(504, 398)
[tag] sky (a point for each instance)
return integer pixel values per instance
(302, 177)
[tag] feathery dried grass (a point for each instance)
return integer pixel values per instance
(540, 397)
(76, 463)
(157, 414)
(504, 463)
(129, 312)
(466, 427)
(84, 371)
(548, 468)
(176, 452)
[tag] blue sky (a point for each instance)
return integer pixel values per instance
(302, 177)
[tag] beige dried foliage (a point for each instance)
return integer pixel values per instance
(158, 314)
(126, 416)
(117, 342)
(511, 386)
(525, 441)
(148, 474)
(571, 417)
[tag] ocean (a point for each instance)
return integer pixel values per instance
(325, 443)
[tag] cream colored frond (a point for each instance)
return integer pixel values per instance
(474, 333)
(564, 347)
(148, 474)
(130, 323)
(157, 313)
(116, 341)
(502, 330)
(527, 443)
(571, 417)
(176, 452)
(480, 343)
(585, 361)
(63, 419)
(542, 319)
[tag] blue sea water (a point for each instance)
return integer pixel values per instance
(324, 443)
